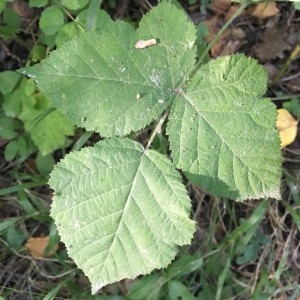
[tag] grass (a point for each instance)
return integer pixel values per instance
(248, 250)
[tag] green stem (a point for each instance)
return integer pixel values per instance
(217, 36)
(157, 128)
(292, 57)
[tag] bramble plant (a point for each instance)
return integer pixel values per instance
(121, 208)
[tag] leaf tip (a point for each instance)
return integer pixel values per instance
(26, 72)
(97, 286)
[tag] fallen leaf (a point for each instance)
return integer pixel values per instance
(238, 33)
(37, 246)
(232, 10)
(213, 27)
(231, 47)
(220, 5)
(287, 127)
(273, 44)
(265, 10)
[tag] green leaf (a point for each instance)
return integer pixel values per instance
(186, 264)
(37, 3)
(67, 33)
(44, 163)
(92, 14)
(177, 290)
(8, 80)
(22, 145)
(222, 132)
(52, 19)
(74, 4)
(109, 206)
(8, 127)
(8, 223)
(47, 128)
(293, 106)
(12, 101)
(102, 82)
(147, 287)
(11, 18)
(38, 53)
(15, 238)
(102, 19)
(2, 6)
(11, 150)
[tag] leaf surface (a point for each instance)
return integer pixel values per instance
(120, 210)
(103, 83)
(222, 131)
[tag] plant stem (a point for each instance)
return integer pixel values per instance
(217, 36)
(293, 55)
(157, 128)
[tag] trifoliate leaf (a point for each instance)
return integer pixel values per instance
(103, 83)
(287, 127)
(121, 210)
(222, 132)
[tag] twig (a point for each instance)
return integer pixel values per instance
(157, 128)
(293, 55)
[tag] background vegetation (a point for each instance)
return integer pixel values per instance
(244, 250)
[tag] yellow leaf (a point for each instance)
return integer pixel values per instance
(287, 127)
(37, 246)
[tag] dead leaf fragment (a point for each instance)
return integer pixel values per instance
(37, 246)
(220, 5)
(273, 44)
(287, 127)
(265, 10)
(141, 44)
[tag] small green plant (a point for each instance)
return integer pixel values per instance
(27, 121)
(121, 207)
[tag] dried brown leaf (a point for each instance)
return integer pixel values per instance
(220, 5)
(273, 44)
(37, 246)
(265, 10)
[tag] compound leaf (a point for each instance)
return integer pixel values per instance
(103, 83)
(121, 210)
(222, 132)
